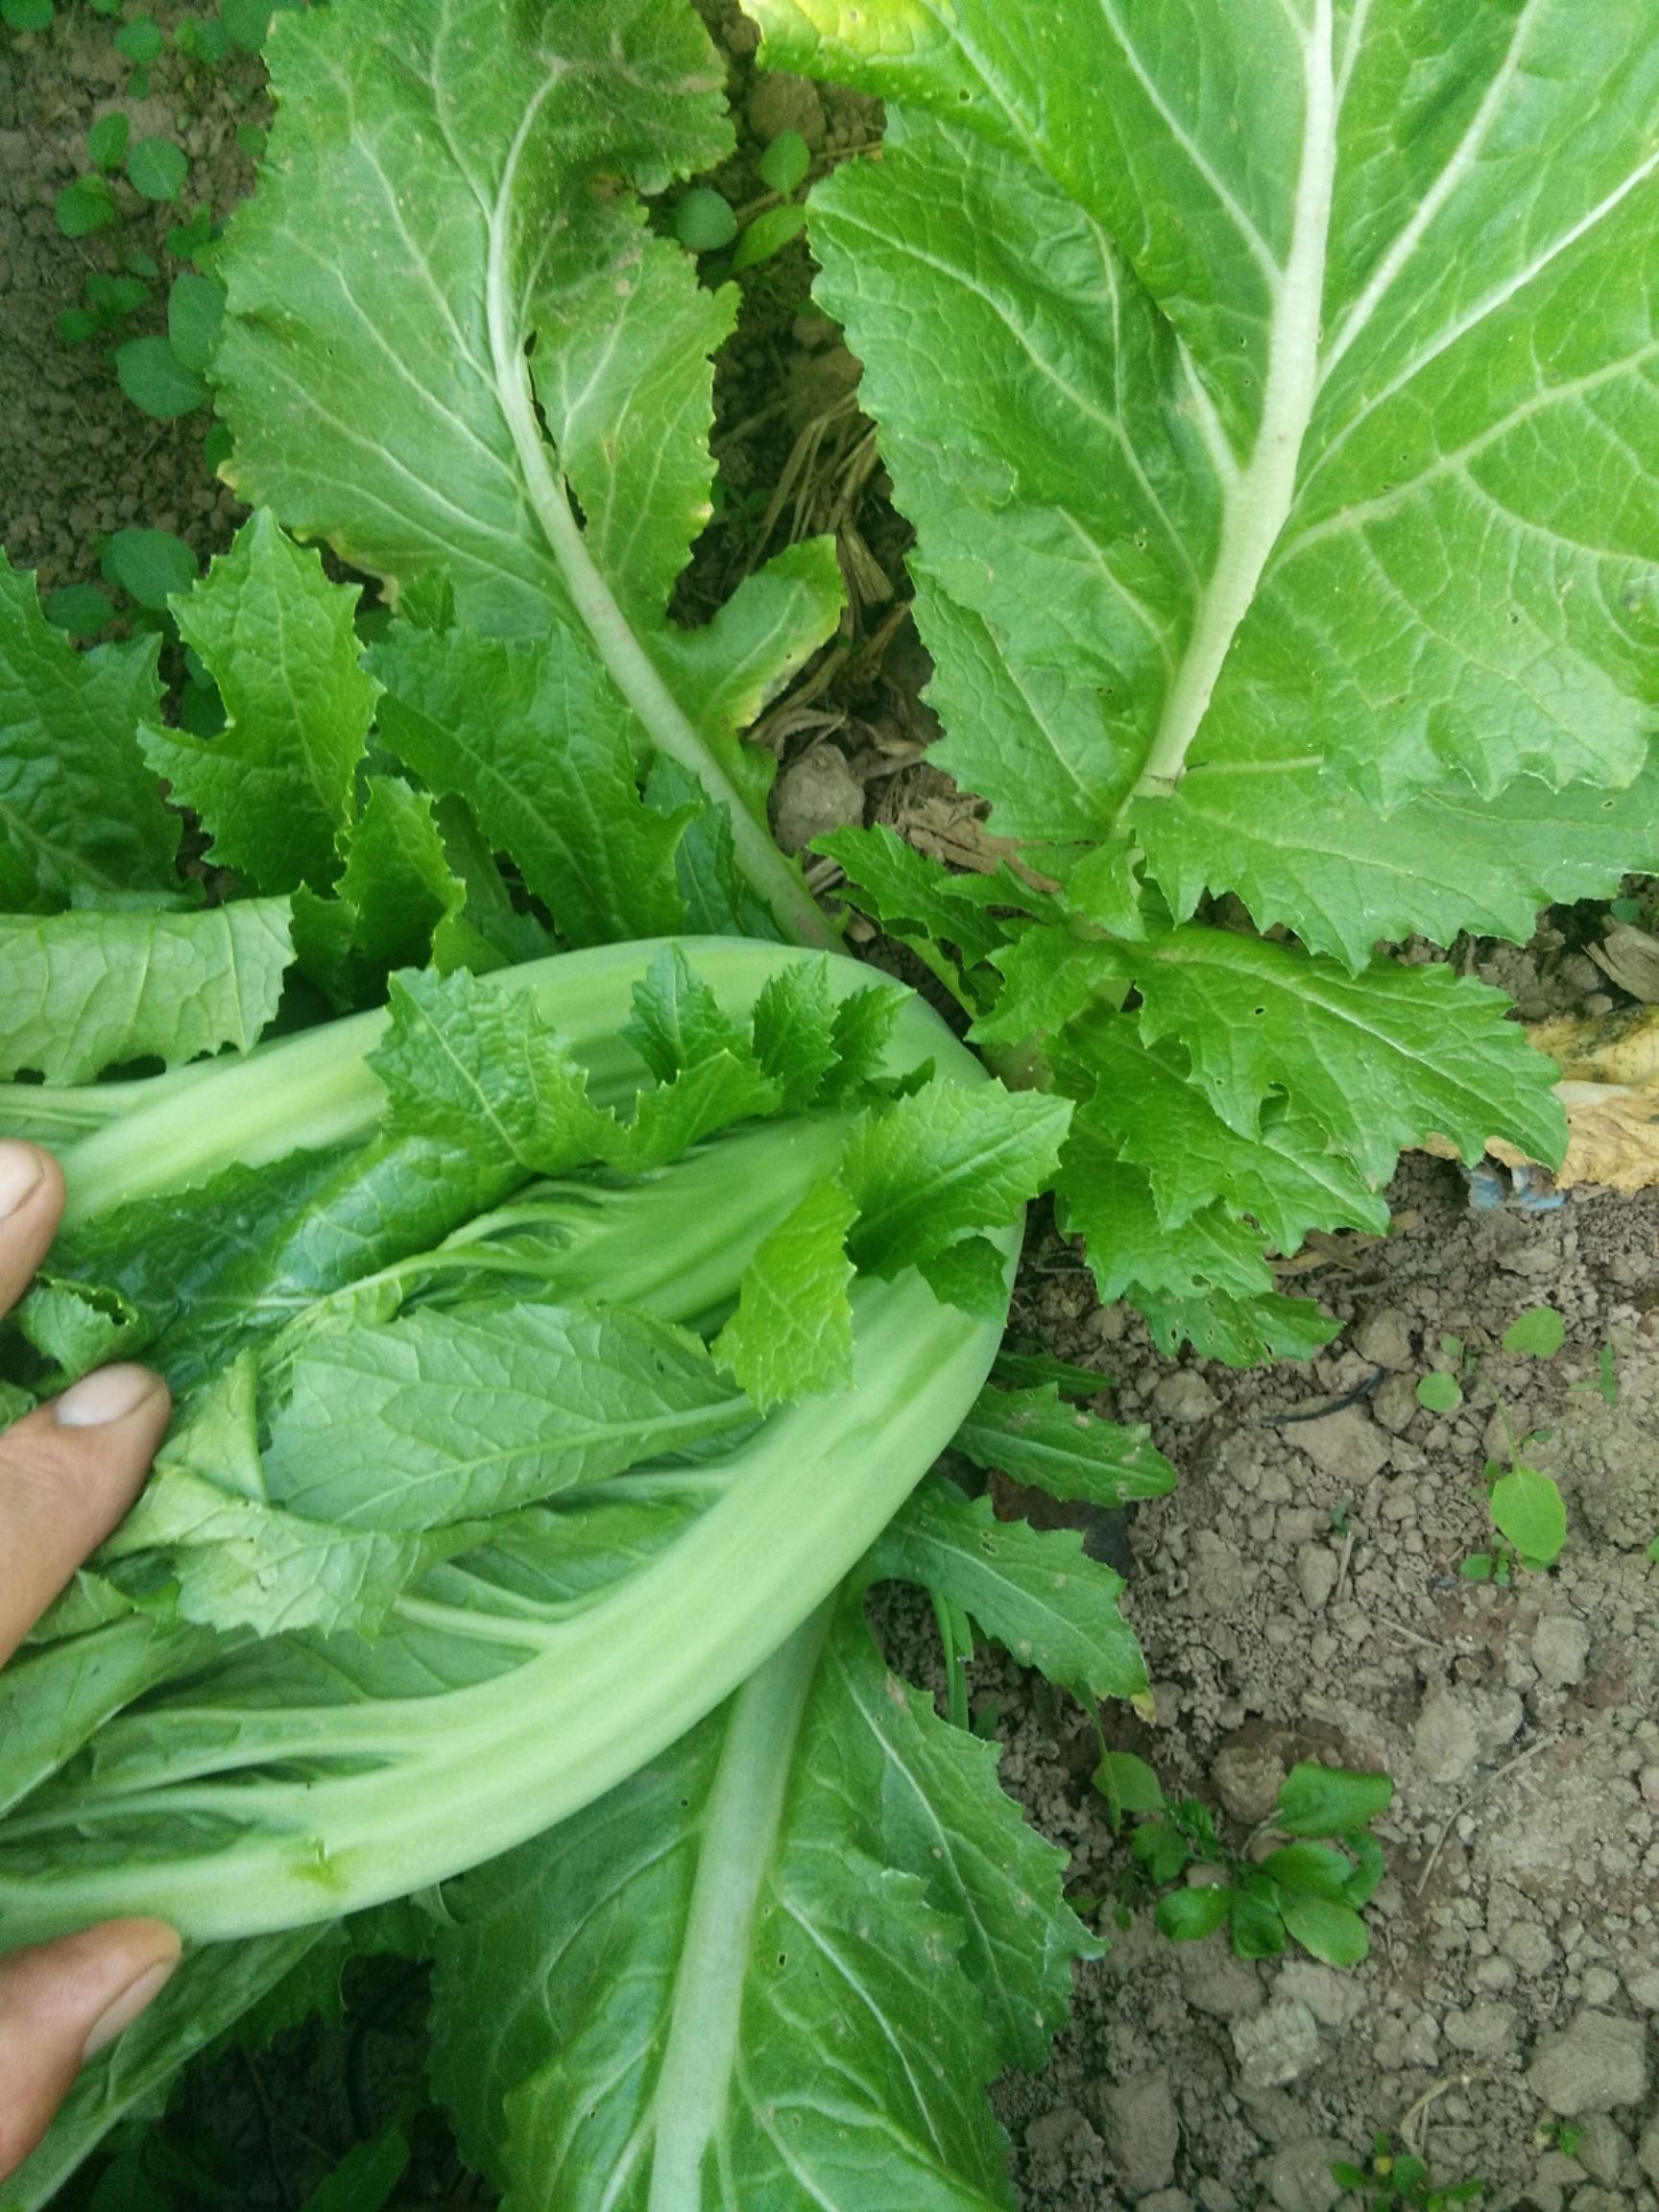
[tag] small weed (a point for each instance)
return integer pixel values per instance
(1310, 1888)
(1397, 2181)
(1526, 1504)
(707, 223)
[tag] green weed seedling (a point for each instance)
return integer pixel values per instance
(1312, 1889)
(26, 14)
(707, 223)
(1526, 1504)
(1399, 2181)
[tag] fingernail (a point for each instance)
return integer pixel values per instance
(127, 2006)
(109, 1394)
(21, 1168)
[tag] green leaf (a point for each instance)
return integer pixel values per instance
(1128, 1784)
(888, 1936)
(768, 235)
(443, 1417)
(78, 1324)
(1034, 1436)
(784, 164)
(1316, 1800)
(275, 789)
(80, 609)
(1034, 1591)
(195, 312)
(791, 1336)
(1540, 1332)
(1309, 1870)
(944, 1160)
(793, 1032)
(1330, 1929)
(481, 1072)
(1189, 1916)
(1440, 1393)
(915, 899)
(150, 565)
(157, 167)
(80, 993)
(1443, 861)
(1527, 1508)
(1381, 1060)
(140, 40)
(87, 206)
(540, 746)
(395, 897)
(156, 381)
(107, 140)
(970, 1273)
(26, 14)
(1287, 1176)
(544, 437)
(366, 2177)
(1349, 432)
(703, 221)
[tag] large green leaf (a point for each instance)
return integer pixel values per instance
(80, 814)
(276, 787)
(776, 1968)
(81, 991)
(1349, 309)
(484, 365)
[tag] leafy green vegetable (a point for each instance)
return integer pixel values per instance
(412, 430)
(1348, 612)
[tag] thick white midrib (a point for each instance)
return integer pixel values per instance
(629, 664)
(739, 1836)
(1257, 505)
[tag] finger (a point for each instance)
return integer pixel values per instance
(31, 1201)
(68, 1471)
(61, 2004)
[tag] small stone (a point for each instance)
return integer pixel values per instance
(1647, 2152)
(1298, 2178)
(1602, 2149)
(1446, 1739)
(1560, 1647)
(1596, 2064)
(1483, 2031)
(1647, 1782)
(1334, 2000)
(1143, 2132)
(1184, 1396)
(1345, 1446)
(1528, 1942)
(1598, 1986)
(1597, 2199)
(1278, 2044)
(781, 101)
(1059, 2133)
(1394, 1404)
(1214, 2196)
(1216, 1982)
(813, 795)
(1167, 2200)
(1384, 1338)
(1642, 1984)
(1315, 1574)
(1247, 1776)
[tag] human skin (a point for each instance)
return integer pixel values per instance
(68, 1471)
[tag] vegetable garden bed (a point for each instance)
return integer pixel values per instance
(1303, 1596)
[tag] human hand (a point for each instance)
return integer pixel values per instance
(68, 1471)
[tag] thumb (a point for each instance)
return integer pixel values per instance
(61, 2004)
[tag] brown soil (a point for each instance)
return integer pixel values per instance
(1300, 1595)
